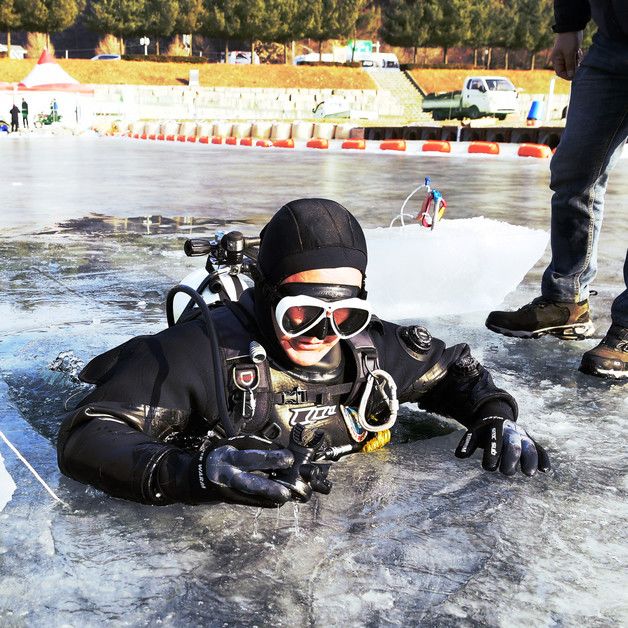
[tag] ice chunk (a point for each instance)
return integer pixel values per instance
(7, 485)
(465, 265)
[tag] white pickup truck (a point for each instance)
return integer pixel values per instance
(480, 96)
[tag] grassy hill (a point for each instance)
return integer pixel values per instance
(531, 81)
(211, 74)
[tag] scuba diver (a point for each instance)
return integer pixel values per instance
(249, 401)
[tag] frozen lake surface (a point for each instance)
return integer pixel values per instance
(91, 234)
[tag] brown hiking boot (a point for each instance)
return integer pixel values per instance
(569, 321)
(610, 357)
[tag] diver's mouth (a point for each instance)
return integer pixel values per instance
(310, 343)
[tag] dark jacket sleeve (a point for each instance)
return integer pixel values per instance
(146, 390)
(443, 380)
(571, 15)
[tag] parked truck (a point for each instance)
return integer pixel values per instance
(480, 96)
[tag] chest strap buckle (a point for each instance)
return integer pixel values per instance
(294, 396)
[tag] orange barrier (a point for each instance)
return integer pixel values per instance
(161, 137)
(246, 141)
(437, 146)
(191, 138)
(283, 143)
(170, 138)
(263, 143)
(232, 141)
(393, 145)
(217, 139)
(318, 143)
(534, 150)
(181, 138)
(354, 144)
(136, 136)
(487, 148)
(203, 139)
(143, 136)
(152, 136)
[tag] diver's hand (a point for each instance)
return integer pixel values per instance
(227, 470)
(566, 54)
(505, 444)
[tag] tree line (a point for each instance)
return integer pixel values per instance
(480, 24)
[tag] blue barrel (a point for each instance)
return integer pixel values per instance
(536, 110)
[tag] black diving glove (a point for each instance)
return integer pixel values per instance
(505, 444)
(227, 471)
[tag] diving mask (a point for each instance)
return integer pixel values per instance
(321, 309)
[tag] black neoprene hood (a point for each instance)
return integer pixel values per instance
(307, 234)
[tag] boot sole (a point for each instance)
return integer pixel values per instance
(606, 373)
(578, 331)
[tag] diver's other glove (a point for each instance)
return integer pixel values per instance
(505, 444)
(228, 473)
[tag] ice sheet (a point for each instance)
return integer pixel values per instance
(7, 485)
(461, 266)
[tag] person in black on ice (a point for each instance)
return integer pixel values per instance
(24, 113)
(157, 428)
(15, 118)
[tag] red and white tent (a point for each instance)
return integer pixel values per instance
(49, 75)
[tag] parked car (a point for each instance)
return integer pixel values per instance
(106, 57)
(480, 96)
(242, 57)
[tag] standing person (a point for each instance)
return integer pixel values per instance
(188, 415)
(24, 114)
(54, 109)
(595, 133)
(15, 118)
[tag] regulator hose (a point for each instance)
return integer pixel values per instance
(212, 334)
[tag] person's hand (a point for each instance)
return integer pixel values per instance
(505, 444)
(228, 471)
(566, 54)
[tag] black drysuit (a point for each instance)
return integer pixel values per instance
(136, 435)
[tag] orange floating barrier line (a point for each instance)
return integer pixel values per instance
(231, 141)
(170, 138)
(161, 137)
(393, 145)
(217, 139)
(143, 136)
(181, 138)
(283, 143)
(264, 143)
(191, 138)
(203, 139)
(354, 144)
(437, 146)
(318, 143)
(246, 141)
(487, 148)
(152, 136)
(534, 150)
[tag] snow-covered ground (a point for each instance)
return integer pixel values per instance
(90, 241)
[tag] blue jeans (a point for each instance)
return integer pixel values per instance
(595, 132)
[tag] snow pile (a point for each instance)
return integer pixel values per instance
(461, 266)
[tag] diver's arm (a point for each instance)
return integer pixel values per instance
(110, 454)
(450, 382)
(466, 391)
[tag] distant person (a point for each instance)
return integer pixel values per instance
(24, 114)
(15, 118)
(54, 110)
(595, 133)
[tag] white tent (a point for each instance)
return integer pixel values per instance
(49, 75)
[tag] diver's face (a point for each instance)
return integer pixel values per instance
(308, 350)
